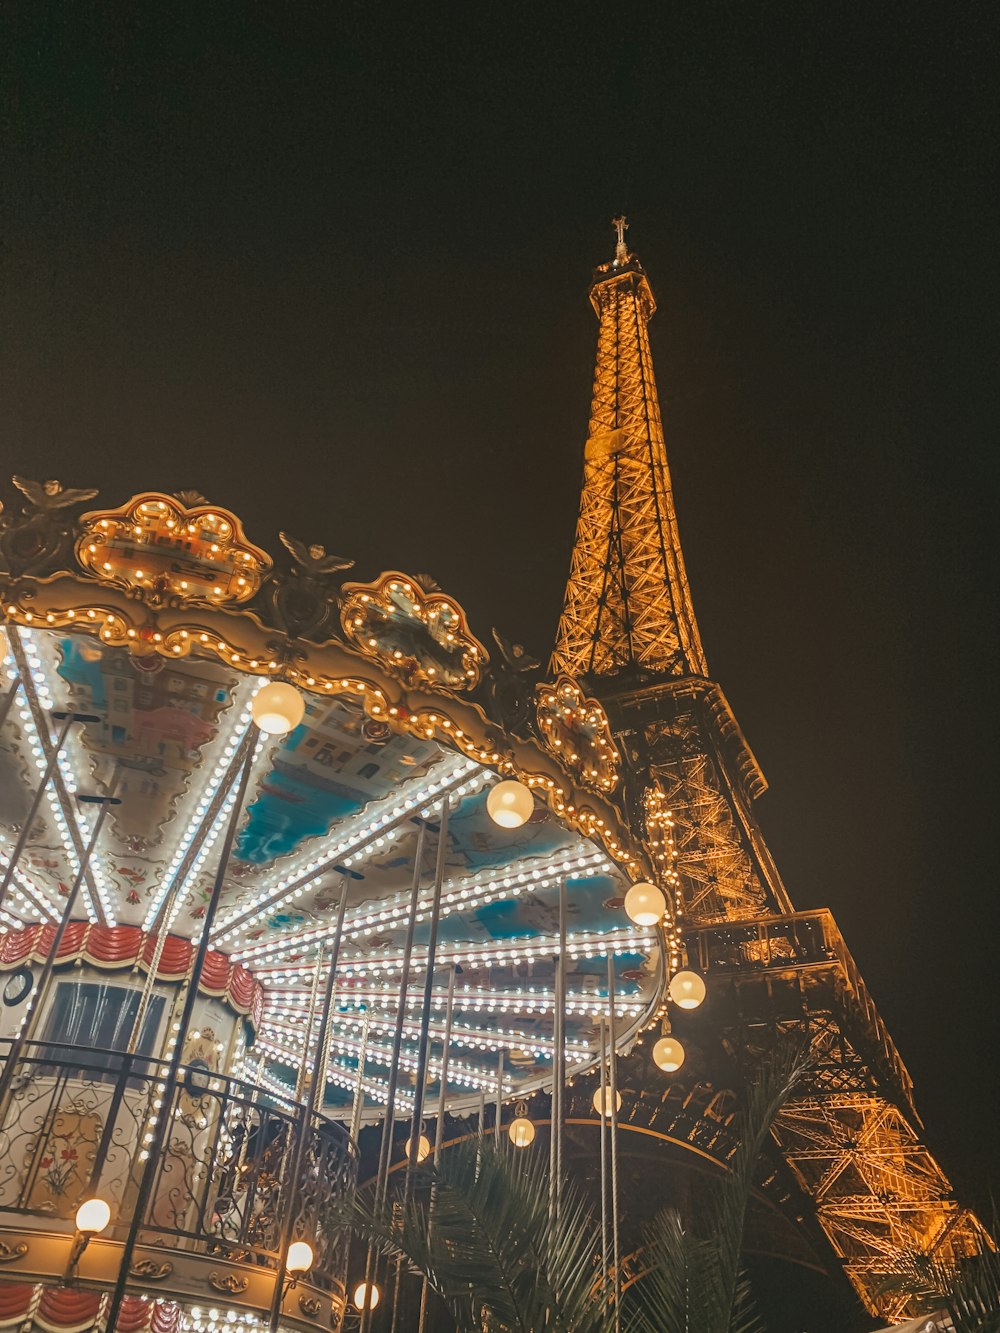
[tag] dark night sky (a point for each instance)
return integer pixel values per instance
(329, 265)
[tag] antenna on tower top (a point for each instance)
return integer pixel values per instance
(621, 249)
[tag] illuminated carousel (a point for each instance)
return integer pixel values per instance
(255, 823)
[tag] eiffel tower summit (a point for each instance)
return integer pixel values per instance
(851, 1172)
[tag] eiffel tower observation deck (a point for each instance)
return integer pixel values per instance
(854, 1159)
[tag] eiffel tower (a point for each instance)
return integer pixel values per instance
(851, 1165)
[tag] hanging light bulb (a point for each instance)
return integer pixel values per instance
(278, 708)
(300, 1257)
(645, 904)
(520, 1129)
(603, 1106)
(423, 1148)
(668, 1054)
(686, 989)
(365, 1295)
(92, 1216)
(510, 804)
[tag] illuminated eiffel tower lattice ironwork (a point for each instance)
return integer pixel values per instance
(851, 1143)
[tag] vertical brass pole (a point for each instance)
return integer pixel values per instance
(561, 1048)
(613, 1090)
(385, 1148)
(359, 1087)
(604, 1159)
(439, 1127)
(423, 1041)
(498, 1116)
(156, 1147)
(317, 1087)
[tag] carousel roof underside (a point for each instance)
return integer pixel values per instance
(339, 800)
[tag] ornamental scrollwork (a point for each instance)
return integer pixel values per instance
(151, 1270)
(228, 1282)
(577, 731)
(417, 632)
(8, 1253)
(167, 553)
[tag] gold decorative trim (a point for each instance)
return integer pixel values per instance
(149, 1269)
(8, 1253)
(163, 551)
(419, 635)
(228, 1282)
(576, 730)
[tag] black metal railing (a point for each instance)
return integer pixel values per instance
(76, 1123)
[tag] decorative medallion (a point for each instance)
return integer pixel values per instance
(157, 547)
(419, 633)
(576, 729)
(228, 1282)
(150, 1270)
(8, 1253)
(310, 1305)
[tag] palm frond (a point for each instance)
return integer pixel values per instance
(696, 1283)
(487, 1245)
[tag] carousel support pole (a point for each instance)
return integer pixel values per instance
(162, 1126)
(385, 1148)
(67, 720)
(498, 1116)
(359, 1086)
(604, 1160)
(40, 990)
(317, 1087)
(9, 698)
(300, 1077)
(439, 1127)
(423, 1042)
(613, 1091)
(554, 1104)
(561, 1046)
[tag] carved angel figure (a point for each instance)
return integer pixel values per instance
(40, 538)
(314, 559)
(47, 496)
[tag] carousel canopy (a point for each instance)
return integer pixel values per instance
(154, 626)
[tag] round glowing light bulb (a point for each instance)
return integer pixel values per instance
(278, 708)
(521, 1131)
(605, 1109)
(510, 804)
(363, 1295)
(300, 1257)
(93, 1216)
(645, 904)
(423, 1147)
(668, 1054)
(686, 989)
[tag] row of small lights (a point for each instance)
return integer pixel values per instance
(208, 841)
(596, 944)
(524, 1002)
(471, 1076)
(222, 770)
(468, 893)
(494, 1039)
(44, 700)
(378, 831)
(96, 864)
(376, 824)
